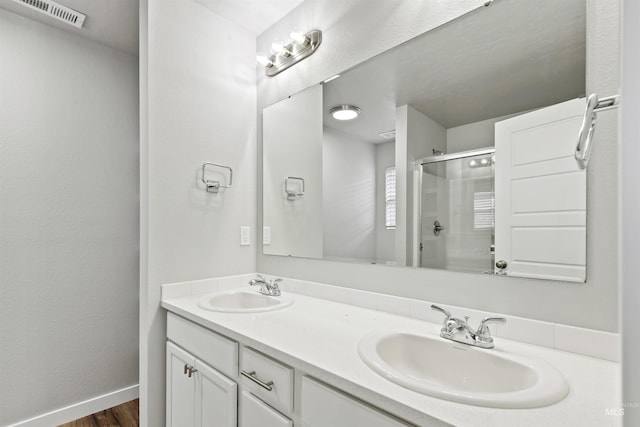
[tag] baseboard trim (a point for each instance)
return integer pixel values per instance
(81, 409)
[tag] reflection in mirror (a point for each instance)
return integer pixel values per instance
(376, 185)
(457, 211)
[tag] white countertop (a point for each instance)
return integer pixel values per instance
(320, 337)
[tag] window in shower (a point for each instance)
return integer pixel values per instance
(457, 211)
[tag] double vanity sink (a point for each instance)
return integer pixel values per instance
(409, 372)
(429, 364)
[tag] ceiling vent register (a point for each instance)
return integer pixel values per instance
(56, 11)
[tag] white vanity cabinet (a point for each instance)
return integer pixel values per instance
(202, 381)
(213, 381)
(198, 395)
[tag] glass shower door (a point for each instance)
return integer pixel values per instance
(457, 213)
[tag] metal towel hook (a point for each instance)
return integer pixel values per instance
(585, 137)
(215, 186)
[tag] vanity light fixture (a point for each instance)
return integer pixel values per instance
(284, 55)
(300, 38)
(280, 49)
(264, 61)
(345, 112)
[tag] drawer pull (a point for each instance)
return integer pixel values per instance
(252, 377)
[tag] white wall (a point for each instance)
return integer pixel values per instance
(473, 135)
(349, 202)
(68, 219)
(347, 40)
(201, 106)
(631, 213)
(293, 131)
(423, 135)
(385, 239)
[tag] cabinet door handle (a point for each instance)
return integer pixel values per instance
(192, 370)
(252, 376)
(186, 369)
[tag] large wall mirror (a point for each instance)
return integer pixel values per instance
(460, 155)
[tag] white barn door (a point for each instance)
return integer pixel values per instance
(541, 194)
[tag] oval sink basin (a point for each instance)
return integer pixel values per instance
(243, 301)
(462, 373)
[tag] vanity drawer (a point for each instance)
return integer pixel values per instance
(254, 413)
(323, 406)
(269, 379)
(214, 349)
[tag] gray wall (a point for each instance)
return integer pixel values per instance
(631, 213)
(349, 202)
(473, 135)
(198, 104)
(68, 219)
(347, 41)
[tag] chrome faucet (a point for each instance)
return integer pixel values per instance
(458, 330)
(271, 288)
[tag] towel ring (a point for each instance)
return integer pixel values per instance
(215, 186)
(291, 193)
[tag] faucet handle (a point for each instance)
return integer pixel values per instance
(483, 329)
(447, 314)
(441, 310)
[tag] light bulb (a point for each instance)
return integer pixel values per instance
(263, 60)
(279, 48)
(299, 38)
(473, 163)
(484, 162)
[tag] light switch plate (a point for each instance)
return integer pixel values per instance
(245, 239)
(266, 235)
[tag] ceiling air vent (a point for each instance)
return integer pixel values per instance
(56, 11)
(390, 134)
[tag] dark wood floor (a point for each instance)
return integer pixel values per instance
(125, 415)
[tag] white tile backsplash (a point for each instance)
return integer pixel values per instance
(603, 345)
(394, 305)
(528, 330)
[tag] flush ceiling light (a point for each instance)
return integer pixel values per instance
(284, 55)
(345, 112)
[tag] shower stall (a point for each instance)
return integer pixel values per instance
(457, 211)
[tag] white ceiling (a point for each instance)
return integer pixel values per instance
(510, 57)
(115, 22)
(254, 15)
(110, 22)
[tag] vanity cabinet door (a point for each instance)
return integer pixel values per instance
(216, 398)
(197, 394)
(181, 389)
